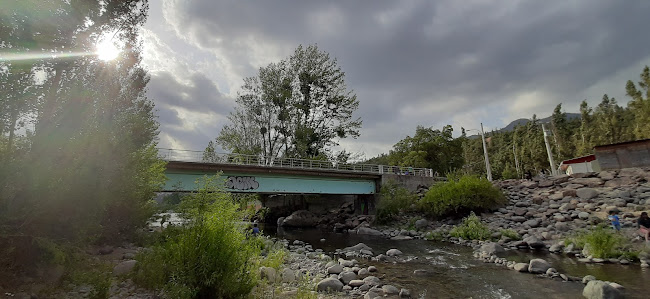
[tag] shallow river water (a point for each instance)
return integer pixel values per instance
(452, 271)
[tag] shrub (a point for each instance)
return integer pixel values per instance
(393, 200)
(601, 242)
(209, 256)
(434, 236)
(468, 193)
(513, 235)
(471, 229)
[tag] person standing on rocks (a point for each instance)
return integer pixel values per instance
(644, 226)
(613, 218)
(256, 230)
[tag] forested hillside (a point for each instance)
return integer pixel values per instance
(572, 136)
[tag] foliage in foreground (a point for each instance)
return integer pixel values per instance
(394, 199)
(468, 193)
(209, 256)
(471, 229)
(601, 242)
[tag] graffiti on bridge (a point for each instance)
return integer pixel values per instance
(242, 183)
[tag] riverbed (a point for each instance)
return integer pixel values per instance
(450, 271)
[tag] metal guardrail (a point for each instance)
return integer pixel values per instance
(238, 159)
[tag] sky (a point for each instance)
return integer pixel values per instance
(429, 63)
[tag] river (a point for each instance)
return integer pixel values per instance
(452, 271)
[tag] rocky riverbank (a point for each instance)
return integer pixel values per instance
(543, 214)
(316, 272)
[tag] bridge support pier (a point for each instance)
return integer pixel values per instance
(364, 204)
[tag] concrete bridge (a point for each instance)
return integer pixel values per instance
(256, 174)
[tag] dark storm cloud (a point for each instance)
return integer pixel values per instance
(198, 99)
(405, 55)
(198, 94)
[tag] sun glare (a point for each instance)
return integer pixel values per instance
(107, 50)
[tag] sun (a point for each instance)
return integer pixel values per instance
(107, 50)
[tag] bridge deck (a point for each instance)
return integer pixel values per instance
(222, 159)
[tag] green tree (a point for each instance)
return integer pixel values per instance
(429, 148)
(298, 107)
(640, 104)
(91, 168)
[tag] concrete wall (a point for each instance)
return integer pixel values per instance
(624, 155)
(409, 182)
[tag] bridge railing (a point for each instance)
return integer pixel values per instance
(239, 159)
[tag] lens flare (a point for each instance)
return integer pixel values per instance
(107, 50)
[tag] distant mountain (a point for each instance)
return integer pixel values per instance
(523, 121)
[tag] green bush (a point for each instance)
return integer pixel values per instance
(601, 242)
(513, 235)
(468, 193)
(393, 200)
(471, 229)
(209, 256)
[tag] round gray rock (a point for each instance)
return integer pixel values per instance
(393, 252)
(422, 223)
(347, 276)
(586, 193)
(597, 289)
(336, 269)
(538, 266)
(492, 248)
(329, 285)
(521, 267)
(124, 267)
(389, 289)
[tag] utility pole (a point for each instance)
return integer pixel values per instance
(548, 151)
(487, 160)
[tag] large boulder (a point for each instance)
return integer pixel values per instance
(393, 252)
(268, 273)
(124, 267)
(597, 289)
(559, 179)
(347, 276)
(521, 267)
(368, 231)
(534, 242)
(288, 275)
(357, 248)
(538, 266)
(301, 218)
(389, 289)
(371, 280)
(329, 285)
(532, 223)
(421, 223)
(336, 269)
(586, 193)
(492, 248)
(589, 182)
(617, 182)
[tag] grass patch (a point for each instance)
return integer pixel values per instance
(509, 233)
(434, 236)
(462, 195)
(471, 229)
(601, 242)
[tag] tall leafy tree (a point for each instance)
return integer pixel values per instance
(299, 107)
(91, 167)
